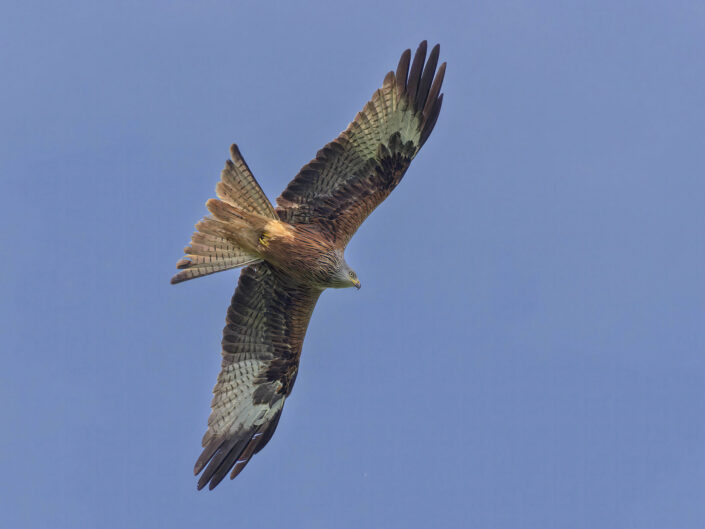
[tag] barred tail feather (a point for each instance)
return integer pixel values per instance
(210, 253)
(239, 188)
(229, 238)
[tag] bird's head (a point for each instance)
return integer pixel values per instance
(346, 277)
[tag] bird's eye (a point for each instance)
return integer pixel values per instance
(351, 274)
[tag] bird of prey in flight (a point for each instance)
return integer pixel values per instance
(294, 251)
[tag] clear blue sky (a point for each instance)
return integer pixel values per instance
(528, 348)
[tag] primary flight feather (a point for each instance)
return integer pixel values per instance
(295, 251)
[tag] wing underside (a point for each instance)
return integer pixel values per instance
(354, 173)
(262, 339)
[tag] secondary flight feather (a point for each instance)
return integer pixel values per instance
(295, 251)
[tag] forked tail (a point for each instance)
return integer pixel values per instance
(228, 239)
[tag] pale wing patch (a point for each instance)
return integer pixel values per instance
(232, 395)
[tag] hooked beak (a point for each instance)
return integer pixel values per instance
(357, 283)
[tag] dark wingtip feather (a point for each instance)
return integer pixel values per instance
(415, 72)
(208, 450)
(220, 473)
(431, 121)
(221, 455)
(269, 432)
(246, 455)
(219, 458)
(427, 77)
(435, 89)
(403, 71)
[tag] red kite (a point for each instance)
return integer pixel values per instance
(295, 251)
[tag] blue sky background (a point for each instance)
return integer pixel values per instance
(527, 350)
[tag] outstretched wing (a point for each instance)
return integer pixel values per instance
(354, 173)
(262, 340)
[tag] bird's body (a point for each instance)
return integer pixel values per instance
(303, 252)
(295, 251)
